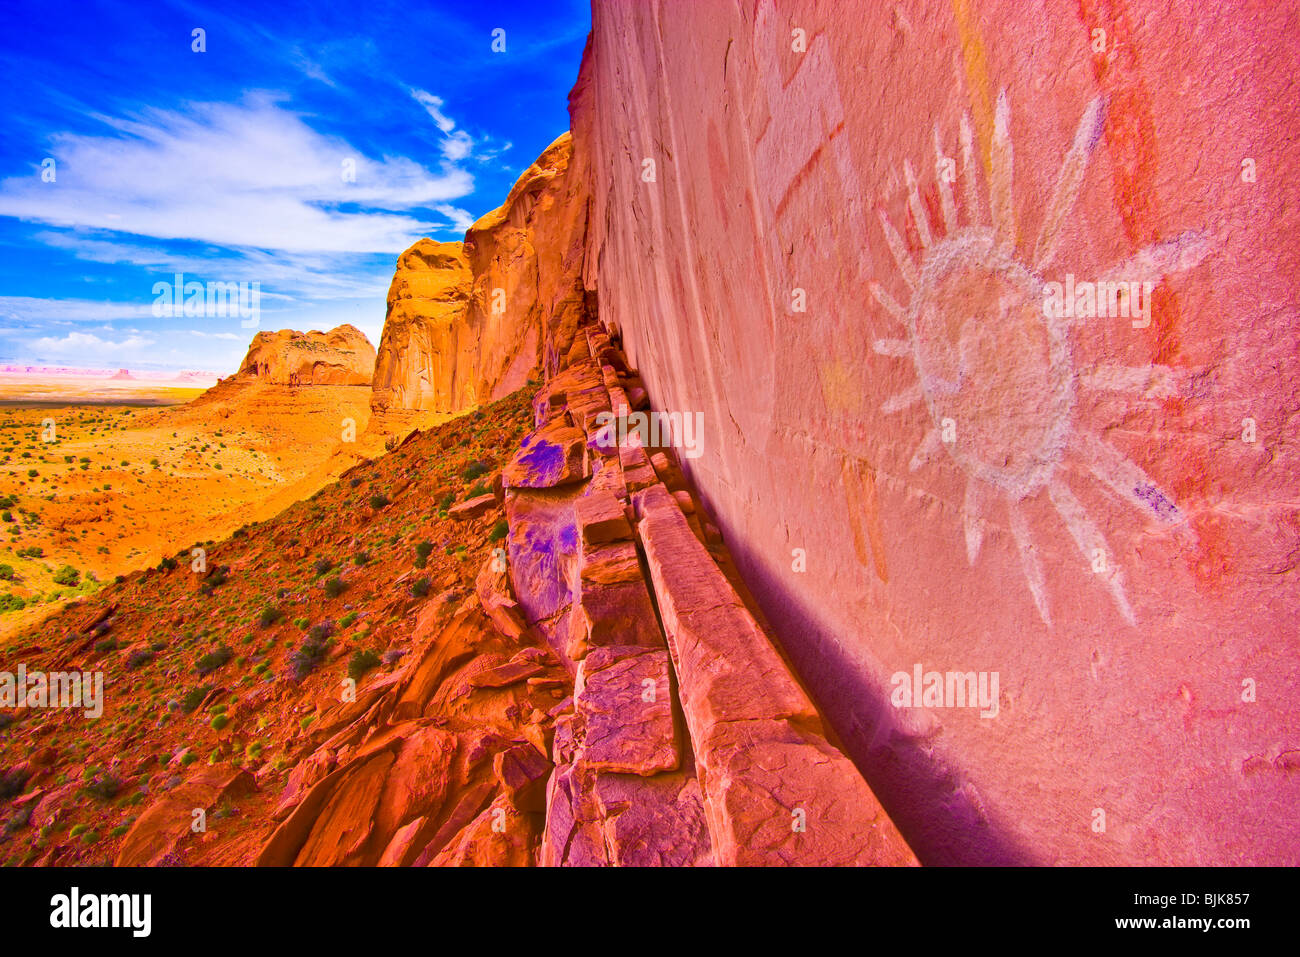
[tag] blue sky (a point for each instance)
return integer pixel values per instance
(230, 165)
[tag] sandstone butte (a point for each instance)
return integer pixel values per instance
(629, 656)
(342, 356)
(470, 322)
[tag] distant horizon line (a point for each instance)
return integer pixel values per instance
(12, 368)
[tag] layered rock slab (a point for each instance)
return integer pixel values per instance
(776, 791)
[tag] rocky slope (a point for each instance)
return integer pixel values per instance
(224, 681)
(342, 356)
(598, 692)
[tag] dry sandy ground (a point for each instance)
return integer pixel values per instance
(127, 476)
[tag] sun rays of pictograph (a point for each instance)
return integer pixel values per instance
(996, 371)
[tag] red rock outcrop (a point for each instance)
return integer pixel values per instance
(838, 246)
(471, 322)
(420, 348)
(342, 356)
(436, 764)
(694, 750)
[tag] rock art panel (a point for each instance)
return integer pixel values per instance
(989, 329)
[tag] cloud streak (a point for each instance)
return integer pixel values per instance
(248, 175)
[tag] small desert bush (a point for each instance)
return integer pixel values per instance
(304, 659)
(67, 575)
(139, 658)
(361, 662)
(213, 660)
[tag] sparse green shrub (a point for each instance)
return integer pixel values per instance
(216, 578)
(422, 552)
(213, 660)
(499, 531)
(335, 587)
(103, 788)
(139, 658)
(304, 659)
(420, 588)
(361, 662)
(194, 697)
(67, 575)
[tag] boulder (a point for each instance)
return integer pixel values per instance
(624, 700)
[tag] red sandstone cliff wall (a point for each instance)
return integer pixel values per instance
(466, 322)
(973, 486)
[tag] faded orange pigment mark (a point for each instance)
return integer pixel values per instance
(1130, 139)
(977, 78)
(860, 491)
(1130, 135)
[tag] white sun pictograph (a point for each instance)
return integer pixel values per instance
(996, 372)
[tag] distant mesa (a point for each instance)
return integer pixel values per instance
(342, 356)
(157, 376)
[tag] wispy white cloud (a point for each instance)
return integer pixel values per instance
(433, 106)
(31, 309)
(250, 175)
(318, 275)
(456, 144)
(82, 343)
(310, 68)
(460, 219)
(218, 335)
